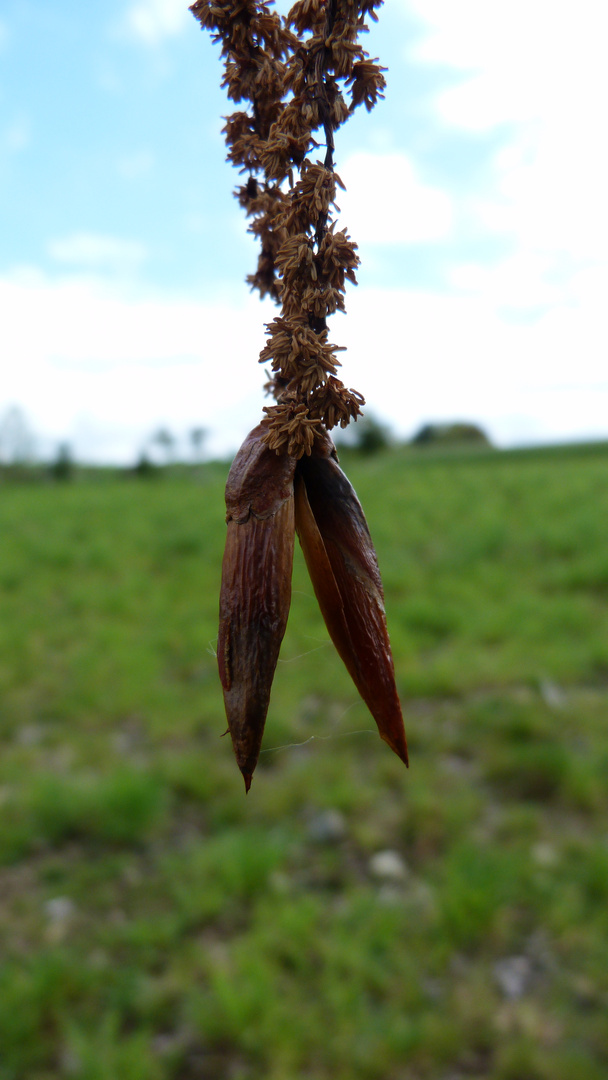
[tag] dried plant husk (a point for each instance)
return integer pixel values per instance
(294, 76)
(255, 593)
(343, 567)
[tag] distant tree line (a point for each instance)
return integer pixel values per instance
(20, 458)
(163, 449)
(164, 441)
(370, 435)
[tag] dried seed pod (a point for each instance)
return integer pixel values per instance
(344, 571)
(256, 589)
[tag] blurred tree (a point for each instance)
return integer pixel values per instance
(450, 434)
(371, 435)
(197, 441)
(368, 435)
(144, 468)
(62, 468)
(165, 439)
(16, 439)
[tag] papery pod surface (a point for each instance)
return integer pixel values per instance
(343, 567)
(256, 589)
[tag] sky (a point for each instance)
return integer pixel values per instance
(476, 193)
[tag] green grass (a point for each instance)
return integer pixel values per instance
(156, 924)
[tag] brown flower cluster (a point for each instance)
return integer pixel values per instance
(300, 75)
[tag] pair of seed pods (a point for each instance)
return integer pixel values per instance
(270, 497)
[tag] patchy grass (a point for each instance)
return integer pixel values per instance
(157, 924)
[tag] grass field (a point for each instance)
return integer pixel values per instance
(348, 919)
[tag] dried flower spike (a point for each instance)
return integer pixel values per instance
(297, 76)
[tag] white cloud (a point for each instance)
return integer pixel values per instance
(418, 356)
(151, 21)
(386, 202)
(539, 68)
(524, 59)
(97, 251)
(523, 285)
(104, 367)
(83, 355)
(536, 75)
(551, 196)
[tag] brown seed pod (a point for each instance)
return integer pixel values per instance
(344, 571)
(256, 589)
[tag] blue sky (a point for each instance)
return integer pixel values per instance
(476, 193)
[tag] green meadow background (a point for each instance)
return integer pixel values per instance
(348, 919)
